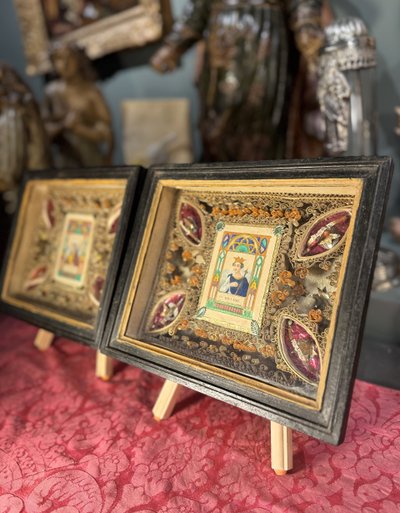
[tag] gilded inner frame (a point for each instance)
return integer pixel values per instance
(62, 248)
(245, 279)
(136, 24)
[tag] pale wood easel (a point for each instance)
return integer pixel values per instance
(281, 436)
(104, 364)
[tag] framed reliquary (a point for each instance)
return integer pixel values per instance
(67, 227)
(100, 27)
(249, 282)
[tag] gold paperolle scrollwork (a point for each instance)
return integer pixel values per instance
(300, 289)
(234, 210)
(83, 301)
(315, 315)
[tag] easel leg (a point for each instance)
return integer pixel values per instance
(281, 449)
(166, 400)
(281, 436)
(43, 340)
(104, 366)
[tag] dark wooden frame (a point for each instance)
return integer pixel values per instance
(131, 199)
(329, 423)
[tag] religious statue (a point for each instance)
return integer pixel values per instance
(346, 88)
(23, 140)
(64, 15)
(251, 56)
(76, 115)
(397, 129)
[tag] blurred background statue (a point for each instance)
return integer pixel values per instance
(346, 89)
(397, 129)
(251, 55)
(23, 141)
(77, 119)
(63, 15)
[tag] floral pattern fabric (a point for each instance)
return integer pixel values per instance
(70, 443)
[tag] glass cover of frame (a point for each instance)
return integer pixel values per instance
(245, 279)
(62, 247)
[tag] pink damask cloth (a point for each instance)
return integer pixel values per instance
(70, 443)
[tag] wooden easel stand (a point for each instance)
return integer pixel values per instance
(104, 364)
(281, 436)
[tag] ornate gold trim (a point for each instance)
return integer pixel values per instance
(328, 349)
(73, 184)
(354, 186)
(232, 376)
(134, 27)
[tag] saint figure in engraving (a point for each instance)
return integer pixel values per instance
(236, 282)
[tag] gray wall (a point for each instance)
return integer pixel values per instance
(383, 20)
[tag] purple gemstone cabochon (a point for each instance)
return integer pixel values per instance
(114, 226)
(97, 287)
(301, 350)
(326, 233)
(36, 277)
(50, 213)
(167, 311)
(190, 223)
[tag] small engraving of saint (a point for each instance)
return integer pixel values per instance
(75, 249)
(236, 282)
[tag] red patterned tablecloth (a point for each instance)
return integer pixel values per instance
(70, 443)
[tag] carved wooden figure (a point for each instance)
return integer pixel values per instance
(251, 54)
(23, 140)
(77, 118)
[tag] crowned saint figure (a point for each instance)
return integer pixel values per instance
(236, 282)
